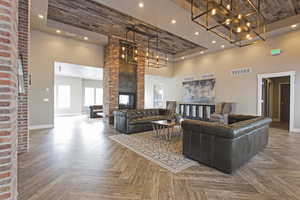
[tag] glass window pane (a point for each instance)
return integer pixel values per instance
(64, 96)
(99, 96)
(89, 96)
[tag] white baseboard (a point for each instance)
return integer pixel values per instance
(43, 126)
(68, 114)
(295, 130)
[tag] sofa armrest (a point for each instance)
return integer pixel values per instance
(121, 120)
(243, 127)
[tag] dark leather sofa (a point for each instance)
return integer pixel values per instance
(225, 147)
(95, 111)
(133, 121)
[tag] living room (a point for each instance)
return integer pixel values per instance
(198, 102)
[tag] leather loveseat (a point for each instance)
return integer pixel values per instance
(133, 121)
(225, 147)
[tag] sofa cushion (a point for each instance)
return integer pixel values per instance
(147, 119)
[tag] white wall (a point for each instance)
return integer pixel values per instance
(243, 89)
(76, 95)
(45, 49)
(164, 82)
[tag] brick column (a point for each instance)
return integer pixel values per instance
(111, 76)
(23, 46)
(141, 82)
(8, 99)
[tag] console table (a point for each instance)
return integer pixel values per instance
(198, 111)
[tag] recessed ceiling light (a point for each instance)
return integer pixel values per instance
(196, 33)
(201, 52)
(214, 41)
(86, 38)
(223, 46)
(182, 58)
(58, 31)
(41, 16)
(173, 21)
(294, 26)
(141, 5)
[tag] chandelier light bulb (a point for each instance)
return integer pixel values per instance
(123, 48)
(214, 11)
(228, 6)
(136, 51)
(239, 29)
(248, 24)
(240, 16)
(227, 21)
(123, 56)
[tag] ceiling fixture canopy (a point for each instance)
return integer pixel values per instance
(238, 21)
(142, 45)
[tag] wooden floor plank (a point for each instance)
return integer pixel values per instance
(77, 161)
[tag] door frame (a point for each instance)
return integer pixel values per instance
(279, 99)
(291, 74)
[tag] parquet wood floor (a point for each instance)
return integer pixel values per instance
(77, 161)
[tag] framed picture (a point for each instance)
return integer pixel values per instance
(202, 91)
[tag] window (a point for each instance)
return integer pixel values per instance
(64, 96)
(93, 96)
(99, 96)
(89, 96)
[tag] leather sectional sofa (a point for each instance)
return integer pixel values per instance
(133, 121)
(225, 147)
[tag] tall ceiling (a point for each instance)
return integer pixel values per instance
(99, 18)
(106, 17)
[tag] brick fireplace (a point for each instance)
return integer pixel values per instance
(115, 83)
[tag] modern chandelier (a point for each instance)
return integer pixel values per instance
(142, 45)
(238, 21)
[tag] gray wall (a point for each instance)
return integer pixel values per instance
(243, 89)
(45, 49)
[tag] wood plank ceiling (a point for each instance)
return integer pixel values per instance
(93, 16)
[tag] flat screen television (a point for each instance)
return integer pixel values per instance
(21, 82)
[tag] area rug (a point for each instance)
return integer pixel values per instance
(167, 154)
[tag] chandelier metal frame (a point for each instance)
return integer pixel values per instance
(134, 50)
(241, 24)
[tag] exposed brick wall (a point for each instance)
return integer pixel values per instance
(8, 99)
(141, 82)
(111, 77)
(23, 46)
